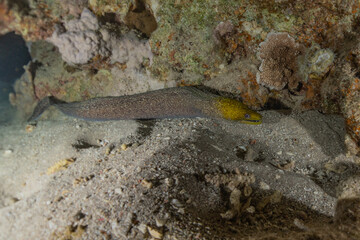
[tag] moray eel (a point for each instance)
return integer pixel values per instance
(177, 102)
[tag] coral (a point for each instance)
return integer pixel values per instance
(279, 66)
(298, 71)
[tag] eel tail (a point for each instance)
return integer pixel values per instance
(41, 107)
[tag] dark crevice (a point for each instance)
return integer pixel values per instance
(145, 128)
(141, 18)
(82, 144)
(275, 104)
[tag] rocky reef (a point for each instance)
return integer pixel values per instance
(279, 54)
(300, 56)
(294, 49)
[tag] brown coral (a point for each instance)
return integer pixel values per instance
(279, 65)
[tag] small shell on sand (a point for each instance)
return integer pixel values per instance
(7, 152)
(29, 128)
(147, 184)
(123, 146)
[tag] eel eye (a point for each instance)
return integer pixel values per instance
(247, 115)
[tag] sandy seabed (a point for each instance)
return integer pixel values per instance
(172, 178)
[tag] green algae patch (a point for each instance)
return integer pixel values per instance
(183, 42)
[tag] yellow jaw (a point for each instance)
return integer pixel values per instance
(234, 110)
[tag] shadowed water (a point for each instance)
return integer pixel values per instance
(13, 56)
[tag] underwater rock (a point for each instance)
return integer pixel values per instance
(183, 43)
(197, 42)
(104, 7)
(31, 19)
(350, 88)
(221, 30)
(79, 41)
(73, 8)
(141, 18)
(130, 50)
(316, 62)
(84, 39)
(227, 36)
(321, 62)
(23, 97)
(340, 92)
(351, 109)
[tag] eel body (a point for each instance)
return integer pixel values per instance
(177, 102)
